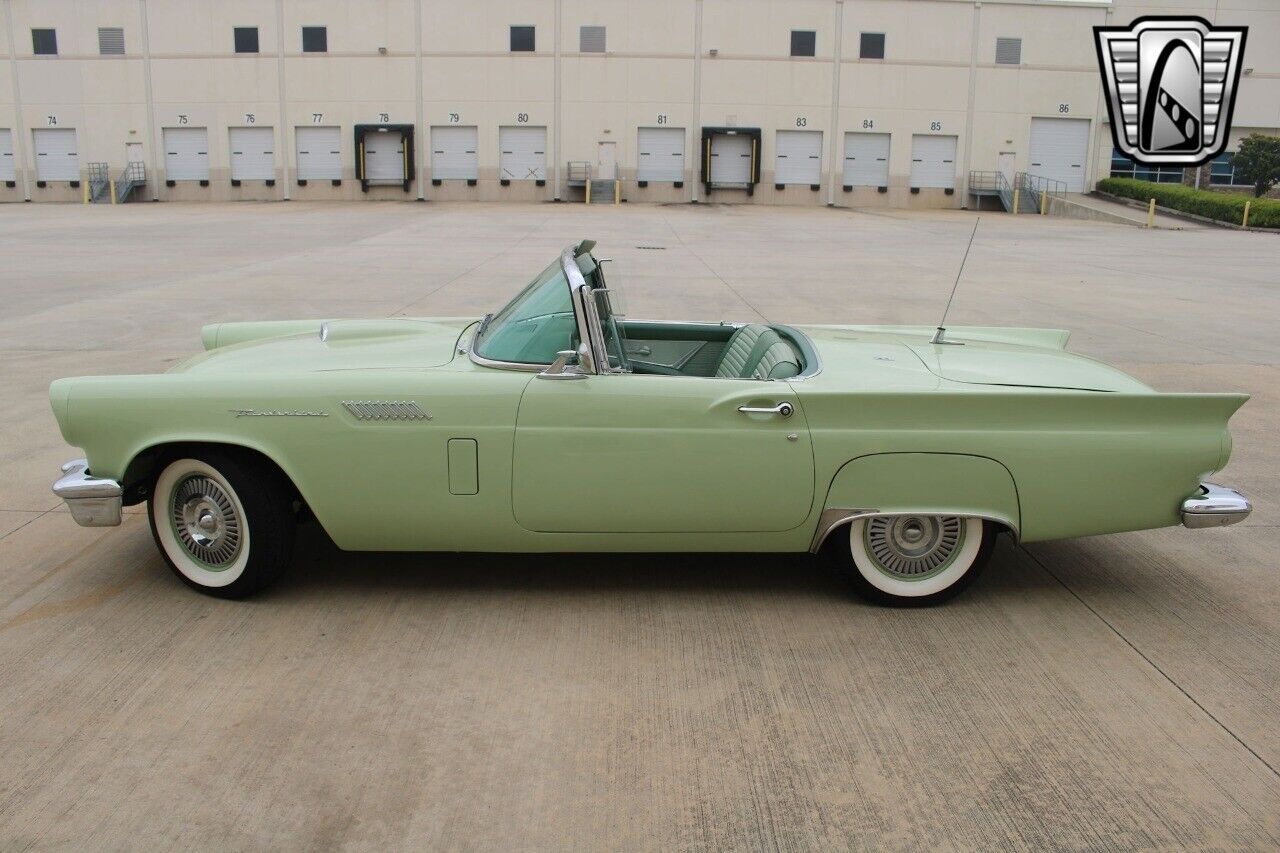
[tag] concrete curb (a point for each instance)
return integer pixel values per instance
(1076, 210)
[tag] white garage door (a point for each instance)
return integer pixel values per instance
(186, 154)
(933, 161)
(253, 154)
(7, 170)
(453, 152)
(384, 160)
(798, 157)
(730, 159)
(661, 153)
(319, 153)
(56, 158)
(522, 153)
(866, 159)
(1058, 150)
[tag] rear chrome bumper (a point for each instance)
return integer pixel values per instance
(1215, 506)
(93, 501)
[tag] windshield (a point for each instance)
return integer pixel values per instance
(535, 325)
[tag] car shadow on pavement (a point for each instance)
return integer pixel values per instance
(318, 564)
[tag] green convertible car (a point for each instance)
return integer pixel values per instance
(559, 424)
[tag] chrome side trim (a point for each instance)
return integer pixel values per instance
(1215, 506)
(838, 516)
(830, 520)
(93, 501)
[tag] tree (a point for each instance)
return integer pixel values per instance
(1258, 162)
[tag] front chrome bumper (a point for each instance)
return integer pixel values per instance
(93, 501)
(1215, 506)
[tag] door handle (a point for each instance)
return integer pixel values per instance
(784, 408)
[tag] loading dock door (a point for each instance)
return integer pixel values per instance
(56, 158)
(798, 157)
(661, 154)
(319, 153)
(7, 170)
(1058, 150)
(933, 161)
(866, 160)
(453, 152)
(186, 154)
(253, 154)
(384, 158)
(523, 153)
(731, 160)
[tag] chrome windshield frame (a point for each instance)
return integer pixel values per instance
(578, 289)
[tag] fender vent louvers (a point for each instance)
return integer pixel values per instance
(386, 410)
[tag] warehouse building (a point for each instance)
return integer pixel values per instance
(845, 102)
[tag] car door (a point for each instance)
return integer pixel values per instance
(643, 453)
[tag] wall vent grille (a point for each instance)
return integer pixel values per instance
(1008, 51)
(111, 41)
(591, 40)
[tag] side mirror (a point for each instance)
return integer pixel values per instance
(562, 368)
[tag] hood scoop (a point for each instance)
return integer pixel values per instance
(339, 331)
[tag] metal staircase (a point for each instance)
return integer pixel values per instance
(594, 190)
(1026, 193)
(133, 176)
(102, 190)
(99, 183)
(603, 191)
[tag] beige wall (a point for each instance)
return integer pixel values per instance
(433, 62)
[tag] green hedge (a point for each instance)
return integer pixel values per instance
(1225, 207)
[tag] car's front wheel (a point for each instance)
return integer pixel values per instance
(912, 560)
(223, 522)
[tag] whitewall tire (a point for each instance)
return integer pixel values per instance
(223, 523)
(912, 560)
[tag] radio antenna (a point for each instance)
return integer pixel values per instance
(942, 326)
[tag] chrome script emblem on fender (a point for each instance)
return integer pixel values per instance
(1171, 86)
(276, 413)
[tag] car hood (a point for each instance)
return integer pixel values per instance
(327, 345)
(897, 356)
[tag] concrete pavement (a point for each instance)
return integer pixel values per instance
(1101, 693)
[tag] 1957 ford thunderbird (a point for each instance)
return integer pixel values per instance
(559, 424)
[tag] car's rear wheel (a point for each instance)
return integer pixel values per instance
(222, 521)
(912, 560)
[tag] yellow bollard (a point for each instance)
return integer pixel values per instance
(1044, 202)
(1151, 213)
(111, 185)
(588, 191)
(1247, 204)
(617, 191)
(85, 191)
(1016, 194)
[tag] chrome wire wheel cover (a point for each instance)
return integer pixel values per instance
(913, 547)
(206, 522)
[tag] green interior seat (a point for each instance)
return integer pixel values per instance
(758, 352)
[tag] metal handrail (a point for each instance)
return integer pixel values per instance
(579, 171)
(99, 180)
(1037, 188)
(133, 176)
(992, 182)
